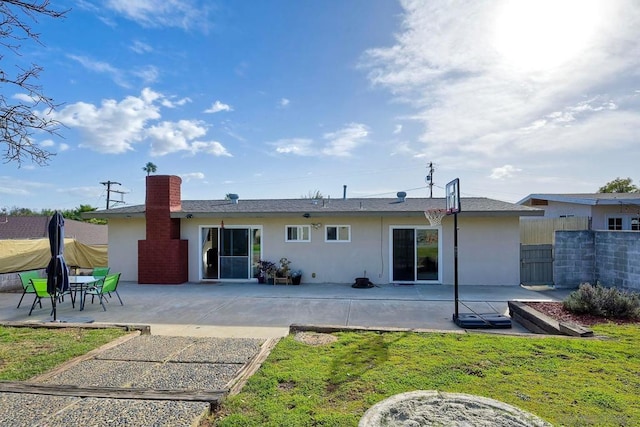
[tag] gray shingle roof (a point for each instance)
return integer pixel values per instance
(36, 227)
(588, 198)
(327, 207)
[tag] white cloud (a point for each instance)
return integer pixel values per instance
(214, 148)
(298, 146)
(140, 47)
(344, 141)
(284, 102)
(169, 137)
(186, 177)
(169, 103)
(218, 106)
(85, 192)
(117, 75)
(184, 14)
(117, 126)
(23, 97)
(340, 143)
(397, 130)
(63, 147)
(481, 97)
(148, 74)
(11, 185)
(114, 126)
(506, 171)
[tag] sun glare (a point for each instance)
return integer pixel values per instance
(539, 35)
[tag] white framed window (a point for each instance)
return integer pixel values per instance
(297, 233)
(337, 233)
(635, 223)
(614, 223)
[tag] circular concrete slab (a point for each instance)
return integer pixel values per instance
(429, 407)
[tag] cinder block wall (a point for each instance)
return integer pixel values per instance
(610, 257)
(618, 258)
(574, 258)
(162, 256)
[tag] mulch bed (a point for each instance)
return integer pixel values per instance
(557, 311)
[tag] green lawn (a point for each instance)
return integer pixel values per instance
(566, 381)
(26, 352)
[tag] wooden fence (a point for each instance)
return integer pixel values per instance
(541, 231)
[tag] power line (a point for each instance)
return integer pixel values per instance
(110, 190)
(429, 179)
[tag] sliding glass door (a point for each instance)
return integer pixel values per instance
(415, 254)
(230, 252)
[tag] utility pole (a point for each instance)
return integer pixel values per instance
(109, 191)
(429, 179)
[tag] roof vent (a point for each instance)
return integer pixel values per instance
(234, 198)
(401, 196)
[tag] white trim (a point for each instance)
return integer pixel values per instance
(337, 227)
(440, 256)
(201, 256)
(626, 221)
(300, 232)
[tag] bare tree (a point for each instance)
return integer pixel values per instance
(19, 119)
(315, 194)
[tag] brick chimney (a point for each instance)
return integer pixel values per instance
(163, 256)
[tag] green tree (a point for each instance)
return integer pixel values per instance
(20, 119)
(150, 168)
(619, 185)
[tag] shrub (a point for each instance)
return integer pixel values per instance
(605, 302)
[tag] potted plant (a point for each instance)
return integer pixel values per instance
(284, 268)
(265, 269)
(296, 277)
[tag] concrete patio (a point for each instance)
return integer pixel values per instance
(264, 310)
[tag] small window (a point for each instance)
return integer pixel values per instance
(338, 233)
(614, 224)
(635, 223)
(298, 233)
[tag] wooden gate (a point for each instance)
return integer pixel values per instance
(536, 264)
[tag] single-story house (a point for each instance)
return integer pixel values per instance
(606, 211)
(388, 240)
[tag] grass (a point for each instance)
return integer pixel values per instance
(27, 352)
(566, 381)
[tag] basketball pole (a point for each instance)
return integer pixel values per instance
(455, 263)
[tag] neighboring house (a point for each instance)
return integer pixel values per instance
(24, 245)
(36, 227)
(170, 240)
(606, 211)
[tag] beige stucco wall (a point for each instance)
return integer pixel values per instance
(557, 209)
(599, 214)
(488, 247)
(123, 246)
(488, 251)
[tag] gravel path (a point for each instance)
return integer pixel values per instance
(146, 361)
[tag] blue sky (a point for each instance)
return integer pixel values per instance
(278, 99)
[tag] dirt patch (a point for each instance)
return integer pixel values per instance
(315, 338)
(557, 311)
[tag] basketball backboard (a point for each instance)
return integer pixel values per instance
(452, 196)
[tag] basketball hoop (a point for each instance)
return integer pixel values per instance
(435, 216)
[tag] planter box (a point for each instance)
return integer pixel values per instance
(540, 323)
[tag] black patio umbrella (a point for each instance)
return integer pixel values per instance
(57, 274)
